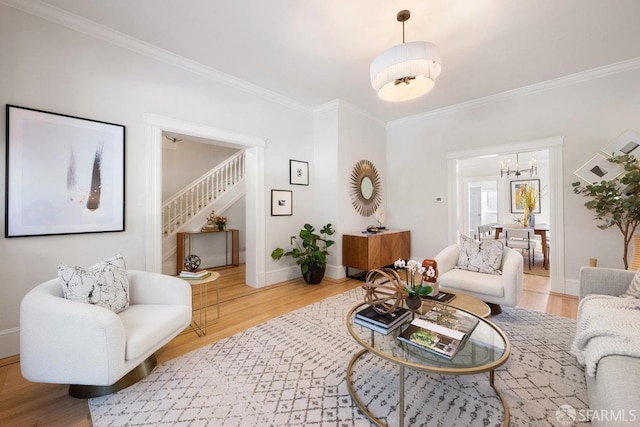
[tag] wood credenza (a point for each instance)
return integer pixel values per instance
(367, 251)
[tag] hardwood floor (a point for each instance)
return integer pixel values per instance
(23, 403)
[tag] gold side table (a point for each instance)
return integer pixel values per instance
(200, 326)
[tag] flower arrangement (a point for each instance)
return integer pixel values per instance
(529, 196)
(411, 269)
(218, 221)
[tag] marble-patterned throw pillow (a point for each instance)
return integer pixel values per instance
(484, 256)
(634, 288)
(105, 284)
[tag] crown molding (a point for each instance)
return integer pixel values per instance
(109, 35)
(571, 79)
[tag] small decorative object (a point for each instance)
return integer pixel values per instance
(384, 290)
(414, 288)
(311, 255)
(281, 203)
(211, 219)
(298, 172)
(431, 275)
(192, 262)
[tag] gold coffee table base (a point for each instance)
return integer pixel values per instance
(378, 422)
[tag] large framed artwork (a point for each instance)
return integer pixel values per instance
(65, 175)
(298, 172)
(281, 202)
(517, 202)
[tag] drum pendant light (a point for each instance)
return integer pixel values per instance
(405, 71)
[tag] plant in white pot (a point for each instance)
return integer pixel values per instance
(310, 252)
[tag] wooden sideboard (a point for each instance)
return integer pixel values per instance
(183, 246)
(368, 251)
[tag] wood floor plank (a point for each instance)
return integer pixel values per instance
(23, 403)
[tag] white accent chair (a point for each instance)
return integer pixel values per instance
(92, 348)
(494, 289)
(523, 239)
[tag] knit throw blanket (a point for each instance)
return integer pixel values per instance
(606, 326)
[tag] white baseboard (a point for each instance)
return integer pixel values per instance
(572, 287)
(9, 342)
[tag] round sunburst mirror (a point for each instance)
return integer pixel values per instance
(365, 188)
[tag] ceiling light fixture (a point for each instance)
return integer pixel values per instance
(533, 167)
(405, 71)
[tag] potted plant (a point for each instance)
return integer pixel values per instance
(414, 288)
(310, 252)
(616, 202)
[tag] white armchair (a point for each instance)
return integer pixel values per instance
(493, 289)
(92, 348)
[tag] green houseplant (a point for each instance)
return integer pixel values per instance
(310, 252)
(616, 202)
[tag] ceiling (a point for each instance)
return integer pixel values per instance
(316, 51)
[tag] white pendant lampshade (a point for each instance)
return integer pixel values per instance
(405, 71)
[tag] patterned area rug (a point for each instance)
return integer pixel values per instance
(290, 371)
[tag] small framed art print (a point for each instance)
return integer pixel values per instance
(281, 202)
(298, 172)
(626, 143)
(598, 169)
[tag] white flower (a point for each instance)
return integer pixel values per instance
(431, 272)
(399, 263)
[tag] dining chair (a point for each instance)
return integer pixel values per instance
(485, 232)
(521, 238)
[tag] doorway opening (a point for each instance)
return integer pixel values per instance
(254, 190)
(484, 164)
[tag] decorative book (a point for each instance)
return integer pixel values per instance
(198, 274)
(440, 331)
(443, 297)
(368, 314)
(382, 323)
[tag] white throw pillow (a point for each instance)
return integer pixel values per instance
(483, 257)
(105, 284)
(634, 288)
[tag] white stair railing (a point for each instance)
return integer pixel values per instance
(201, 192)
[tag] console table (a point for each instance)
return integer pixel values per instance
(368, 251)
(184, 245)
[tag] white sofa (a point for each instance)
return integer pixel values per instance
(92, 348)
(615, 388)
(495, 289)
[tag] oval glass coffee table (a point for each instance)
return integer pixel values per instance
(486, 349)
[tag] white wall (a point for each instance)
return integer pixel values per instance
(589, 114)
(53, 68)
(184, 161)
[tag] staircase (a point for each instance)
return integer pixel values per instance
(215, 190)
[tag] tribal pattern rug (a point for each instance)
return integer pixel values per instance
(290, 371)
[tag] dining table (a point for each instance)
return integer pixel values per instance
(540, 229)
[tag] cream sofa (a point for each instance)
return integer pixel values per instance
(92, 348)
(614, 391)
(496, 289)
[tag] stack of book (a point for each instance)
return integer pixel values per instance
(195, 275)
(383, 323)
(441, 334)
